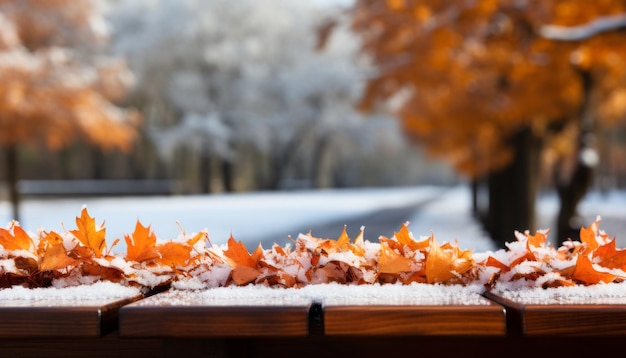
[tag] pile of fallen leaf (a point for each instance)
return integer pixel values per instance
(81, 256)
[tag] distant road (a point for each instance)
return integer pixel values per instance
(381, 222)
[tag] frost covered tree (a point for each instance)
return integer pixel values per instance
(56, 83)
(225, 77)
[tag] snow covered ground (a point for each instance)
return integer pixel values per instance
(252, 216)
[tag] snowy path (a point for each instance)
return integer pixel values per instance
(272, 216)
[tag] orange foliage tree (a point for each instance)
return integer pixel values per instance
(494, 85)
(55, 84)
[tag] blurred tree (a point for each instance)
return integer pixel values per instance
(491, 84)
(55, 88)
(220, 78)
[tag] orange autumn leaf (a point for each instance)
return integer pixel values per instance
(89, 234)
(343, 240)
(493, 262)
(238, 255)
(586, 273)
(18, 240)
(405, 238)
(538, 240)
(173, 254)
(141, 244)
(56, 258)
(608, 256)
(243, 275)
(588, 237)
(443, 265)
(392, 262)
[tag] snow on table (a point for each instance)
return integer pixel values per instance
(332, 309)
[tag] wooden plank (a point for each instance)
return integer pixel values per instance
(562, 316)
(206, 314)
(416, 309)
(42, 318)
(415, 320)
(402, 320)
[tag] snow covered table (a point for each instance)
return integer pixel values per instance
(85, 311)
(598, 310)
(223, 312)
(331, 310)
(410, 310)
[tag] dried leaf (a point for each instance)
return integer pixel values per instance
(56, 258)
(392, 262)
(18, 240)
(141, 244)
(443, 265)
(586, 273)
(608, 256)
(173, 254)
(89, 234)
(243, 275)
(237, 254)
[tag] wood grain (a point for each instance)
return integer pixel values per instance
(487, 320)
(68, 319)
(584, 319)
(211, 322)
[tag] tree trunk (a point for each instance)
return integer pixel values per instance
(205, 173)
(227, 175)
(572, 191)
(11, 162)
(513, 190)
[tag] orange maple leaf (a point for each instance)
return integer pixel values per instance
(608, 256)
(588, 237)
(443, 265)
(89, 234)
(243, 275)
(141, 245)
(238, 255)
(538, 240)
(173, 253)
(56, 258)
(493, 262)
(586, 273)
(18, 240)
(392, 262)
(405, 238)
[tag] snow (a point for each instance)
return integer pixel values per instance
(331, 294)
(612, 293)
(248, 216)
(95, 294)
(252, 216)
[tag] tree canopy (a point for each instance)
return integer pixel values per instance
(469, 74)
(55, 85)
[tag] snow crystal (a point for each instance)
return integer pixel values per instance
(328, 294)
(611, 293)
(96, 293)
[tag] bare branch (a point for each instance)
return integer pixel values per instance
(585, 31)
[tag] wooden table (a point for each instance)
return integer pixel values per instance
(216, 314)
(563, 312)
(412, 311)
(220, 323)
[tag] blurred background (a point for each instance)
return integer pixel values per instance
(512, 99)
